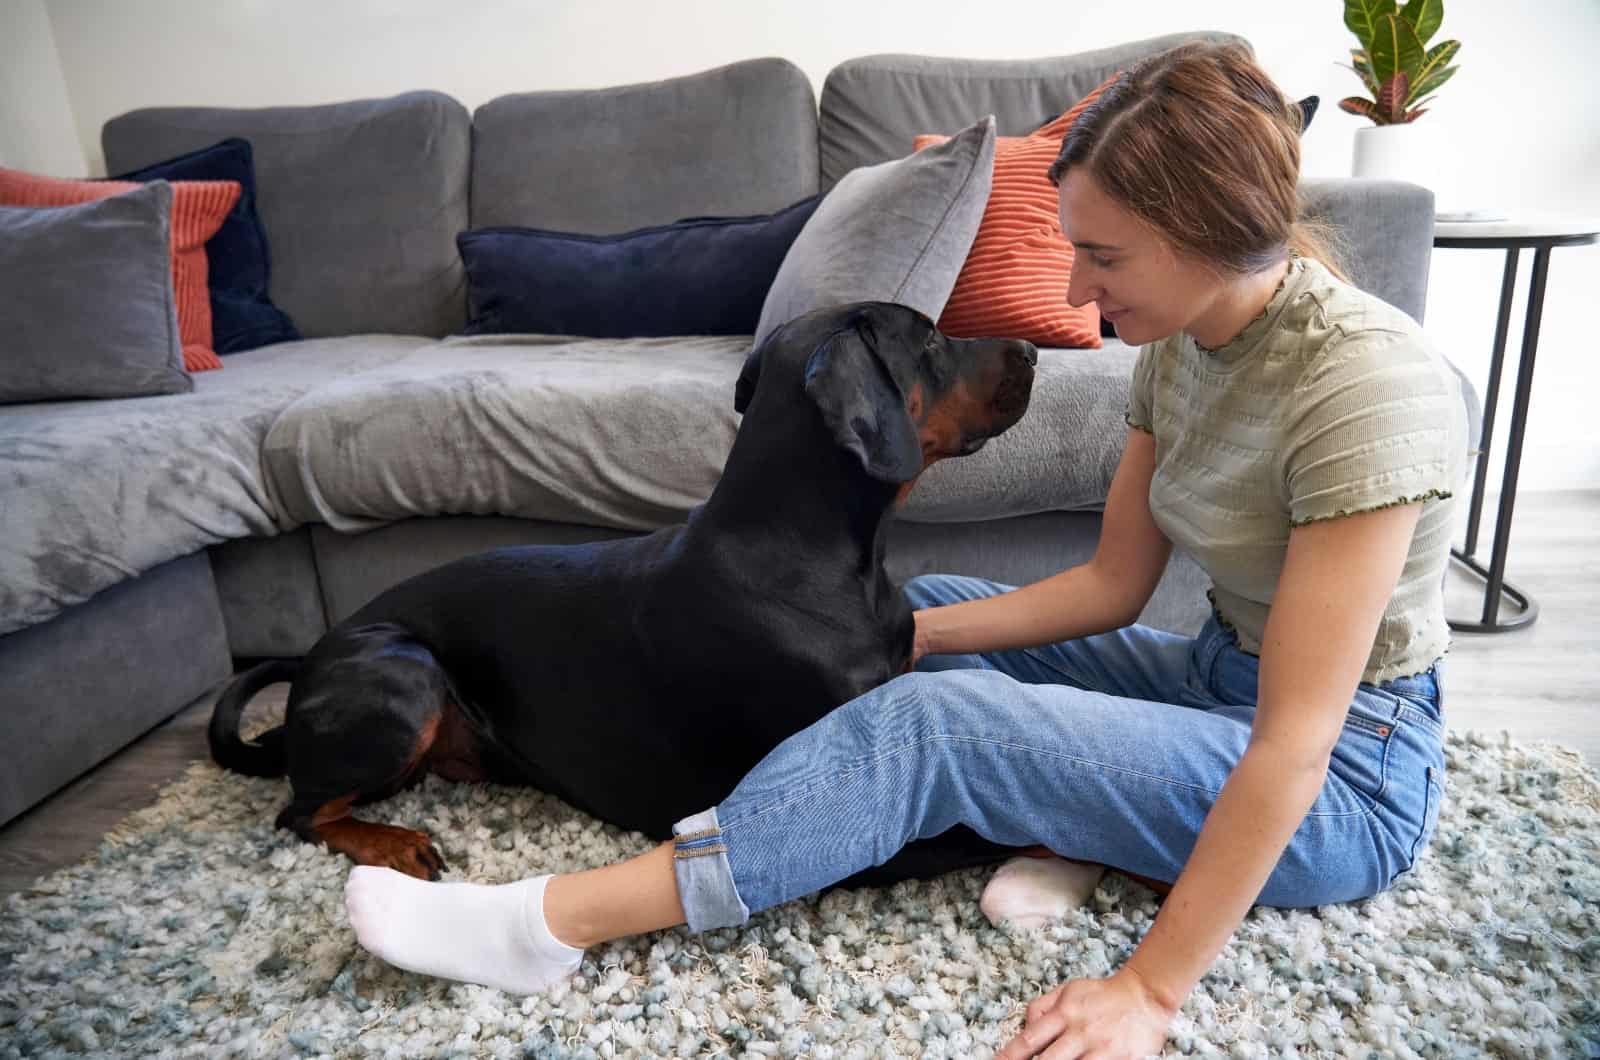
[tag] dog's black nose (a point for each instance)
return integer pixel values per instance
(1029, 351)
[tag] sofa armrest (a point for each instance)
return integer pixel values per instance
(1385, 230)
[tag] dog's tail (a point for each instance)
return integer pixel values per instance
(264, 756)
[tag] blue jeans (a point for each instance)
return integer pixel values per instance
(1107, 749)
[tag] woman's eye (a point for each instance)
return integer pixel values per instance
(1100, 262)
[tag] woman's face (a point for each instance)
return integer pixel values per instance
(1142, 286)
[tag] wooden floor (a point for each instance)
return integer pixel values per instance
(1541, 683)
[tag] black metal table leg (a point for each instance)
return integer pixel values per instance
(1495, 584)
(1491, 401)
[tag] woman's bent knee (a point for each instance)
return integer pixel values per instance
(928, 590)
(936, 590)
(956, 703)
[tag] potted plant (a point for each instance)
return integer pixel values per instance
(1400, 71)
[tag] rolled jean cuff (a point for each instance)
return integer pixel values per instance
(705, 880)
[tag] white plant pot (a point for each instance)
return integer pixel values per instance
(1415, 153)
(1395, 152)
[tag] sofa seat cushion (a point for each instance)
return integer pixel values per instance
(632, 434)
(628, 433)
(93, 492)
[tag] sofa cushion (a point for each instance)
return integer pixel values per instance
(700, 276)
(1014, 281)
(872, 107)
(86, 296)
(895, 232)
(1385, 229)
(737, 140)
(93, 492)
(361, 202)
(626, 433)
(198, 209)
(238, 265)
(1060, 457)
(631, 434)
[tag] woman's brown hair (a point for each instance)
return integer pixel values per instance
(1200, 144)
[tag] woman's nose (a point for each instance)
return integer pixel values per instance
(1080, 291)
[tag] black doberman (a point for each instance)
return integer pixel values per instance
(640, 679)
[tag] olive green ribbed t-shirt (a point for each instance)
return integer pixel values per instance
(1330, 402)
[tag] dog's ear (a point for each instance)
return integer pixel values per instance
(1308, 110)
(863, 406)
(749, 375)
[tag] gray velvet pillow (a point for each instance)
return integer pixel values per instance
(86, 297)
(894, 232)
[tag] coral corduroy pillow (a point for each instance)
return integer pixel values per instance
(1014, 281)
(198, 209)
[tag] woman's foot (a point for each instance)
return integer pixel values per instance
(1032, 891)
(491, 935)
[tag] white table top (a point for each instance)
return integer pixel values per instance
(1517, 225)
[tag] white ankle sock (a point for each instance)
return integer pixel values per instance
(492, 935)
(1030, 892)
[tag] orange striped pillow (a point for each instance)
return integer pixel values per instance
(1014, 281)
(198, 209)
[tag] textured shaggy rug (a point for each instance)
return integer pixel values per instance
(199, 930)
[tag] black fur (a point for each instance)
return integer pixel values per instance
(640, 679)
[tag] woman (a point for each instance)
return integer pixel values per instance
(1299, 438)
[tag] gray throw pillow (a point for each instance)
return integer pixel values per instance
(895, 232)
(86, 297)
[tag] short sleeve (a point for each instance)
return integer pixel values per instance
(1377, 420)
(1141, 396)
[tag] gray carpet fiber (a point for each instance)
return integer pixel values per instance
(199, 930)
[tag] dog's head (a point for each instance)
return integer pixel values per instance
(892, 388)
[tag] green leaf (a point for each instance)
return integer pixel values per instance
(1427, 89)
(1394, 49)
(1436, 70)
(1361, 18)
(1424, 16)
(1441, 53)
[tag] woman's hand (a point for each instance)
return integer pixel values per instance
(1118, 1018)
(919, 640)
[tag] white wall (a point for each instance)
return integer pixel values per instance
(1520, 122)
(37, 129)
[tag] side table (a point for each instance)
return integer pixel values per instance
(1541, 235)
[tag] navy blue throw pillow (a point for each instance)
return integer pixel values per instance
(237, 264)
(698, 276)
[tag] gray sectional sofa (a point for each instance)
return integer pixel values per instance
(147, 544)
